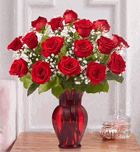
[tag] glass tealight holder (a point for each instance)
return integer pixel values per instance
(109, 130)
(123, 124)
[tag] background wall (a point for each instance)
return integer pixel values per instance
(7, 34)
(133, 62)
(7, 83)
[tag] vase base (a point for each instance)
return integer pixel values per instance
(69, 146)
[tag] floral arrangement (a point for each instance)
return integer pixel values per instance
(68, 52)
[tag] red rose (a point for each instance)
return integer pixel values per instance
(56, 23)
(105, 45)
(70, 16)
(116, 63)
(101, 25)
(83, 27)
(41, 72)
(30, 39)
(69, 66)
(96, 72)
(119, 41)
(83, 48)
(39, 23)
(19, 67)
(52, 45)
(16, 44)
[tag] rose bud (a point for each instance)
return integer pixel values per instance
(70, 16)
(119, 41)
(16, 44)
(116, 63)
(83, 27)
(56, 23)
(30, 39)
(39, 23)
(101, 25)
(105, 45)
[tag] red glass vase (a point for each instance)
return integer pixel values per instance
(70, 119)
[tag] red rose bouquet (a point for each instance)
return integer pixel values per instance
(67, 53)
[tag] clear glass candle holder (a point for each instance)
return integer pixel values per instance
(123, 124)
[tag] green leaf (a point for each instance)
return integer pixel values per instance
(44, 38)
(95, 37)
(104, 58)
(44, 87)
(71, 34)
(94, 89)
(27, 81)
(56, 86)
(68, 83)
(80, 87)
(70, 88)
(111, 76)
(57, 91)
(102, 87)
(62, 53)
(43, 30)
(105, 86)
(91, 58)
(32, 88)
(38, 49)
(76, 36)
(51, 84)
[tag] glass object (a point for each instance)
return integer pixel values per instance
(123, 123)
(70, 119)
(109, 130)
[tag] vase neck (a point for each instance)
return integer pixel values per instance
(70, 98)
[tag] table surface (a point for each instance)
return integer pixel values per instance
(48, 142)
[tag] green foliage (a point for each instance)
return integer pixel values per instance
(44, 38)
(43, 30)
(80, 87)
(111, 76)
(95, 37)
(57, 91)
(27, 81)
(51, 84)
(62, 53)
(104, 59)
(38, 49)
(76, 36)
(102, 87)
(91, 58)
(67, 83)
(32, 88)
(71, 34)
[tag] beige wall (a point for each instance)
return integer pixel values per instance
(133, 63)
(6, 36)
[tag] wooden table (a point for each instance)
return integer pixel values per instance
(48, 142)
